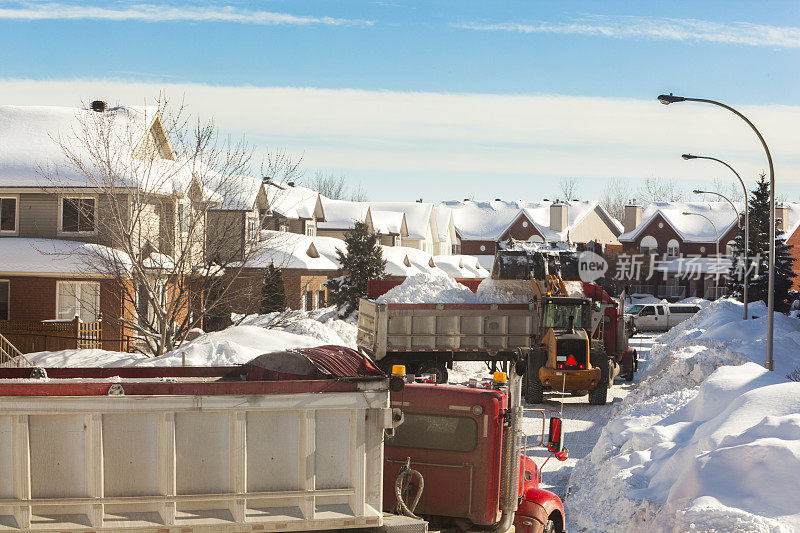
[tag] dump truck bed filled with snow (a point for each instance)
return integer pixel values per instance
(291, 441)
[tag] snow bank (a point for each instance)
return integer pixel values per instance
(232, 346)
(701, 445)
(425, 288)
(321, 324)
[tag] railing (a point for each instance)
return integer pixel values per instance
(672, 291)
(10, 356)
(713, 293)
(642, 289)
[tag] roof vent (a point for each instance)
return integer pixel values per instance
(545, 199)
(290, 184)
(466, 199)
(497, 200)
(99, 106)
(419, 201)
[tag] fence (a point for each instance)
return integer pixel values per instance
(31, 336)
(641, 289)
(672, 291)
(712, 293)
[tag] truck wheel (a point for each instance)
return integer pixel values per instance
(534, 391)
(437, 369)
(599, 394)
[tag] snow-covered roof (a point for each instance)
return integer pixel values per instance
(403, 261)
(19, 255)
(418, 216)
(444, 219)
(294, 201)
(389, 222)
(342, 214)
(32, 155)
(691, 228)
(461, 266)
(488, 221)
(292, 250)
(238, 193)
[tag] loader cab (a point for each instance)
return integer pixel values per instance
(565, 326)
(558, 313)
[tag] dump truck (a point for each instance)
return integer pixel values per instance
(429, 337)
(291, 441)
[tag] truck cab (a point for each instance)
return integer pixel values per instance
(659, 317)
(454, 437)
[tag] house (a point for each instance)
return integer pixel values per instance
(47, 202)
(480, 225)
(390, 225)
(687, 245)
(420, 221)
(292, 208)
(446, 238)
(341, 215)
(461, 266)
(234, 224)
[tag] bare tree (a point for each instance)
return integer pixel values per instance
(616, 195)
(568, 187)
(154, 172)
(279, 166)
(660, 190)
(336, 187)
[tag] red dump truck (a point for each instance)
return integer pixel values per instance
(291, 441)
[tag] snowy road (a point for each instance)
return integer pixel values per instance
(582, 424)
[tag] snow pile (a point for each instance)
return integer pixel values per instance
(505, 291)
(427, 288)
(700, 444)
(694, 300)
(321, 324)
(232, 346)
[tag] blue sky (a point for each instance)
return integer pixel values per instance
(588, 73)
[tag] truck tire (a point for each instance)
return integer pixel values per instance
(435, 368)
(599, 395)
(550, 527)
(630, 361)
(534, 391)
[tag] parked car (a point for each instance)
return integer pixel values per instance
(658, 317)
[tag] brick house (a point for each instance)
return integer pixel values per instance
(54, 221)
(480, 225)
(686, 245)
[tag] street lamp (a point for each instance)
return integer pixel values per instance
(746, 222)
(667, 99)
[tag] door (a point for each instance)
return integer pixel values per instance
(660, 319)
(646, 319)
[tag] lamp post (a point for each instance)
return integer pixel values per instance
(667, 99)
(716, 234)
(738, 224)
(746, 224)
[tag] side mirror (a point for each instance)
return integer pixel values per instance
(554, 440)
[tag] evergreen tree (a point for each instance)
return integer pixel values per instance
(758, 254)
(273, 296)
(363, 262)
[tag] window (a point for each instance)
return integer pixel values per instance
(184, 217)
(432, 432)
(311, 230)
(673, 249)
(252, 229)
(78, 299)
(648, 311)
(321, 299)
(5, 288)
(454, 249)
(77, 215)
(660, 310)
(730, 248)
(284, 228)
(683, 309)
(649, 245)
(8, 215)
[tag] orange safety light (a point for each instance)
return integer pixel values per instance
(500, 377)
(398, 370)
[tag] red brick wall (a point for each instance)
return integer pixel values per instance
(522, 229)
(665, 233)
(794, 241)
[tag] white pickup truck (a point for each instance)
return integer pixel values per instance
(658, 317)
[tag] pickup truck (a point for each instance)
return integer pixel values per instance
(658, 317)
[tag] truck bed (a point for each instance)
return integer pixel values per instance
(384, 328)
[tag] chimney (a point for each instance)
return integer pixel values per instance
(781, 212)
(99, 106)
(633, 217)
(559, 217)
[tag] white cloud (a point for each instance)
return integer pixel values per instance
(625, 27)
(440, 145)
(165, 13)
